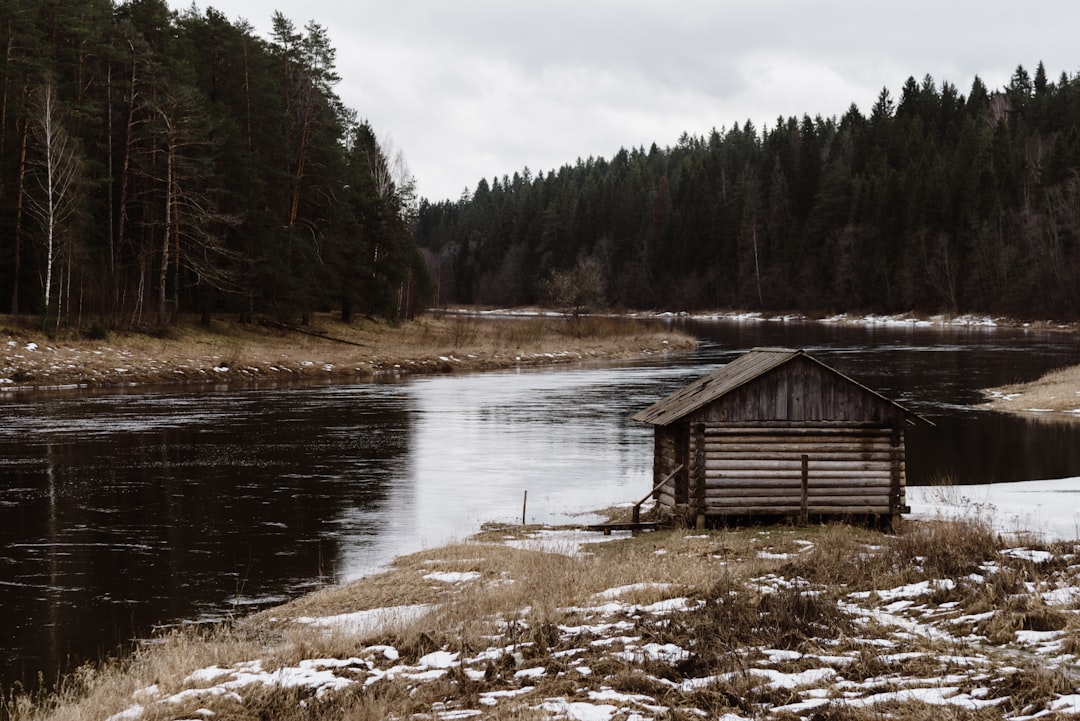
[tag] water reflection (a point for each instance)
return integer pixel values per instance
(481, 442)
(986, 447)
(122, 513)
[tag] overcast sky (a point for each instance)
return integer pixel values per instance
(483, 88)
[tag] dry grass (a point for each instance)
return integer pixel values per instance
(857, 560)
(233, 352)
(1057, 392)
(777, 598)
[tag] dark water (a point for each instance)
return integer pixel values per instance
(122, 512)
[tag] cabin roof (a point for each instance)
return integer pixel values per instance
(739, 372)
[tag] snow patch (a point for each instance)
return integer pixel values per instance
(1027, 554)
(372, 621)
(452, 576)
(623, 590)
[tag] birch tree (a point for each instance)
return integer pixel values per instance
(56, 173)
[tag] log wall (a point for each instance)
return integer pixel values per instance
(665, 459)
(804, 468)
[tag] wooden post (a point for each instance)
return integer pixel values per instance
(699, 472)
(682, 455)
(658, 453)
(636, 513)
(894, 476)
(524, 501)
(804, 508)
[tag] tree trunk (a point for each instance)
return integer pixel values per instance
(176, 259)
(136, 316)
(163, 269)
(301, 157)
(125, 168)
(48, 122)
(757, 272)
(8, 54)
(247, 93)
(109, 184)
(20, 199)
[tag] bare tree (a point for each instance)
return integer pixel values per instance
(940, 255)
(57, 172)
(581, 288)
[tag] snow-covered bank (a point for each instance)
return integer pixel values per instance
(1045, 511)
(896, 320)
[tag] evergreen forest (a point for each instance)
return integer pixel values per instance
(154, 163)
(934, 202)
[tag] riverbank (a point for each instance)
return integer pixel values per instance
(895, 320)
(230, 352)
(829, 621)
(1057, 392)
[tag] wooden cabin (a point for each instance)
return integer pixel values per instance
(778, 432)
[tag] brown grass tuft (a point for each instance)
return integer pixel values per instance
(1022, 613)
(931, 549)
(1034, 686)
(944, 549)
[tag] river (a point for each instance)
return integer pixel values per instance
(126, 511)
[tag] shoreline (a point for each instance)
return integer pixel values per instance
(1056, 394)
(441, 341)
(234, 353)
(900, 320)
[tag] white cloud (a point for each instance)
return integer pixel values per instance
(483, 88)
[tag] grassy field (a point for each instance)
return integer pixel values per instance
(940, 621)
(234, 352)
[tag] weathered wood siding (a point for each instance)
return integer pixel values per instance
(799, 391)
(758, 468)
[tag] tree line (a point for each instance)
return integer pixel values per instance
(935, 201)
(154, 163)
